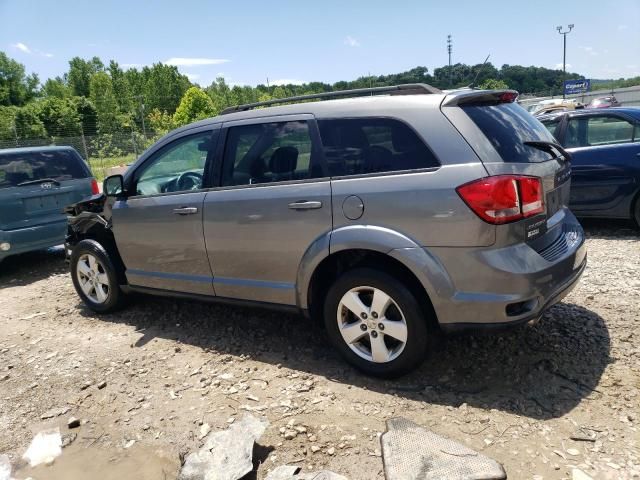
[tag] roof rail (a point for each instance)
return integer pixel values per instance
(405, 89)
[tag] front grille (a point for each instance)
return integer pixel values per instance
(569, 237)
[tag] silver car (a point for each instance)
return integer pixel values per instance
(392, 216)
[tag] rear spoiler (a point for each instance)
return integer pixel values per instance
(479, 97)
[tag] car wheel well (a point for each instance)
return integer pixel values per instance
(635, 204)
(336, 264)
(105, 238)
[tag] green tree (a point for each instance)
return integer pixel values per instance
(104, 101)
(80, 73)
(160, 122)
(56, 88)
(162, 87)
(493, 84)
(16, 87)
(28, 124)
(59, 117)
(121, 88)
(195, 105)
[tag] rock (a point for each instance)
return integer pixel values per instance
(290, 434)
(129, 444)
(226, 455)
(410, 451)
(73, 422)
(315, 448)
(573, 451)
(68, 439)
(101, 385)
(54, 412)
(331, 451)
(283, 472)
(5, 468)
(204, 430)
(44, 447)
(577, 474)
(321, 475)
(85, 385)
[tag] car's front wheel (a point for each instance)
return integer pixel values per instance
(376, 323)
(94, 277)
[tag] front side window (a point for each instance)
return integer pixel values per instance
(599, 130)
(178, 167)
(356, 146)
(551, 125)
(269, 152)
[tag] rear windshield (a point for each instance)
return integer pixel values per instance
(507, 126)
(17, 168)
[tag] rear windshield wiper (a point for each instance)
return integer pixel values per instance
(40, 180)
(550, 147)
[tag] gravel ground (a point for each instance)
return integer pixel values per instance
(147, 383)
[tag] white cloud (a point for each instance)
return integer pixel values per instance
(194, 62)
(45, 54)
(558, 66)
(589, 50)
(287, 81)
(22, 47)
(192, 76)
(622, 27)
(352, 42)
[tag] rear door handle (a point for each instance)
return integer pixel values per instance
(185, 210)
(304, 205)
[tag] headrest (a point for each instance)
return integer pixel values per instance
(284, 160)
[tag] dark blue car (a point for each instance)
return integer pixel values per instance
(35, 186)
(605, 146)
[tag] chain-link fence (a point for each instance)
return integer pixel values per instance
(101, 151)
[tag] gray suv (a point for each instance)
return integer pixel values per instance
(391, 217)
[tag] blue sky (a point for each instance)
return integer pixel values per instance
(248, 41)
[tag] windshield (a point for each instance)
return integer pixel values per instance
(507, 126)
(20, 167)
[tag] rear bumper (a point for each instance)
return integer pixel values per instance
(33, 238)
(494, 288)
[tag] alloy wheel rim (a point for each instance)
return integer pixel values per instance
(93, 278)
(372, 324)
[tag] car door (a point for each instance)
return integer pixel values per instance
(273, 203)
(158, 227)
(605, 163)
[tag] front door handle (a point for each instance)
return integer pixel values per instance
(304, 205)
(185, 210)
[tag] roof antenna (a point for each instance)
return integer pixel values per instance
(471, 85)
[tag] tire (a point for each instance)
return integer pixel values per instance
(403, 316)
(95, 278)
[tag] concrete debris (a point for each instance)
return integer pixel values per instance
(289, 472)
(44, 447)
(54, 412)
(73, 422)
(226, 455)
(68, 439)
(5, 468)
(412, 452)
(577, 474)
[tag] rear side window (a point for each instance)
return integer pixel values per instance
(551, 125)
(357, 146)
(599, 130)
(18, 168)
(507, 126)
(269, 152)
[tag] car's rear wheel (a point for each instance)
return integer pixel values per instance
(94, 277)
(376, 323)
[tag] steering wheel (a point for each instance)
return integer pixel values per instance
(189, 181)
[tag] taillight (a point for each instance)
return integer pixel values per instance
(503, 198)
(508, 97)
(95, 189)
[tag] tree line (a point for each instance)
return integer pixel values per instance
(101, 100)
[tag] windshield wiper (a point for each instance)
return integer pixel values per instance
(40, 180)
(550, 147)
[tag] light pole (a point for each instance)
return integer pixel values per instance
(449, 48)
(564, 55)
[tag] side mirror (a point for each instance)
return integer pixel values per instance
(113, 186)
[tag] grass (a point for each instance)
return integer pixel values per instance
(99, 166)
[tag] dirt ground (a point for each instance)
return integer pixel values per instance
(541, 399)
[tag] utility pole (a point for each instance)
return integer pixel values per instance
(564, 55)
(144, 131)
(449, 50)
